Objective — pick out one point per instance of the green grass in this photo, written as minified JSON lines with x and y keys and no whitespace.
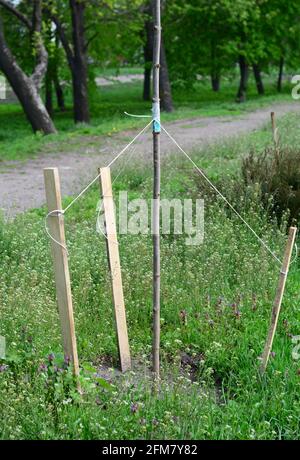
{"x":108,"y":105}
{"x":225,"y":286}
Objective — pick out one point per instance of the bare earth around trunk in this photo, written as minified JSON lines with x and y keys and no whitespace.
{"x":22,"y":186}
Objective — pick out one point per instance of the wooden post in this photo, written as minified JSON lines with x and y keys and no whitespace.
{"x":274,"y":129}
{"x":275,"y":136}
{"x":278,"y":298}
{"x":156,"y":192}
{"x":61,"y":267}
{"x":115,"y":269}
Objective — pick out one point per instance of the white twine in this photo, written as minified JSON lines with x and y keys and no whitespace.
{"x":137,"y":116}
{"x":103,"y":194}
{"x":226,"y":201}
{"x":296,"y":254}
{"x":63,"y":211}
{"x":109,"y":165}
{"x":51,"y":213}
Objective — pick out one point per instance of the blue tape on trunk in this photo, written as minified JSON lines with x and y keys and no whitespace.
{"x":156,"y":117}
{"x":156,"y":126}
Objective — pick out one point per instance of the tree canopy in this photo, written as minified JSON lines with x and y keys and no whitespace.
{"x":201,"y":38}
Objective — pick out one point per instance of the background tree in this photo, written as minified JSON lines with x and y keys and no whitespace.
{"x":26,"y":87}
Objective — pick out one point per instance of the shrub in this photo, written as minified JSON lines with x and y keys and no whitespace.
{"x":277,"y":172}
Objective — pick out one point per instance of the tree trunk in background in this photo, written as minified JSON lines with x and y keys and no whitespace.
{"x":48,"y":92}
{"x":241,"y":94}
{"x":215,"y":82}
{"x":215,"y":72}
{"x":25,"y":89}
{"x":79,"y":66}
{"x":147,"y":84}
{"x":258,"y":79}
{"x":59,"y":93}
{"x":148,"y":47}
{"x":164,"y":82}
{"x":280,"y":74}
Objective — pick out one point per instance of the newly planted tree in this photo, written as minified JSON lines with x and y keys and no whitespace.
{"x":164,"y":81}
{"x":156,"y":191}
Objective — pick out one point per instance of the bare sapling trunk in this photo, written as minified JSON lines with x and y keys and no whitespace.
{"x":156,"y":193}
{"x":241,"y":94}
{"x":166,"y":102}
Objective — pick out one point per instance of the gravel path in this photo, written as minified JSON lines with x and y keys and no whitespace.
{"x":22,"y":186}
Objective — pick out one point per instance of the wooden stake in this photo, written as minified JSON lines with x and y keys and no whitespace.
{"x":275,"y":136}
{"x":115,"y":269}
{"x":61,"y":267}
{"x":278,"y":298}
{"x":156,"y":192}
{"x":274,"y":129}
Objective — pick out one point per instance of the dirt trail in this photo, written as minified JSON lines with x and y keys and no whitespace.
{"x":22,"y":186}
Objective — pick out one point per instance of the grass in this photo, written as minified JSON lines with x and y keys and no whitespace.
{"x":224,"y":288}
{"x":107,"y":114}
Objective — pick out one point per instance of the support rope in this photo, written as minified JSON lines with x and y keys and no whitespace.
{"x":63,"y":211}
{"x":222,"y":196}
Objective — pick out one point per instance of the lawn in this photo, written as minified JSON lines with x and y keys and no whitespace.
{"x":108,"y":105}
{"x":216,"y":304}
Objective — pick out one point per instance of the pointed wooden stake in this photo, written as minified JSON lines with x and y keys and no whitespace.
{"x":115,"y":269}
{"x":275,"y":136}
{"x":278,"y":298}
{"x":61,"y":267}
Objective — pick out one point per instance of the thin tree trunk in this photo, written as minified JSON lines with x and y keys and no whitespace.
{"x":59,"y":93}
{"x":280,"y":74}
{"x":79,"y":64}
{"x":25,"y":89}
{"x":258,"y":79}
{"x":215,"y":73}
{"x":164,"y":82}
{"x":156,"y":193}
{"x":48,"y":92}
{"x":215,"y":82}
{"x":60,"y":99}
{"x":148,"y":51}
{"x":241,"y":94}
{"x":147,"y":84}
